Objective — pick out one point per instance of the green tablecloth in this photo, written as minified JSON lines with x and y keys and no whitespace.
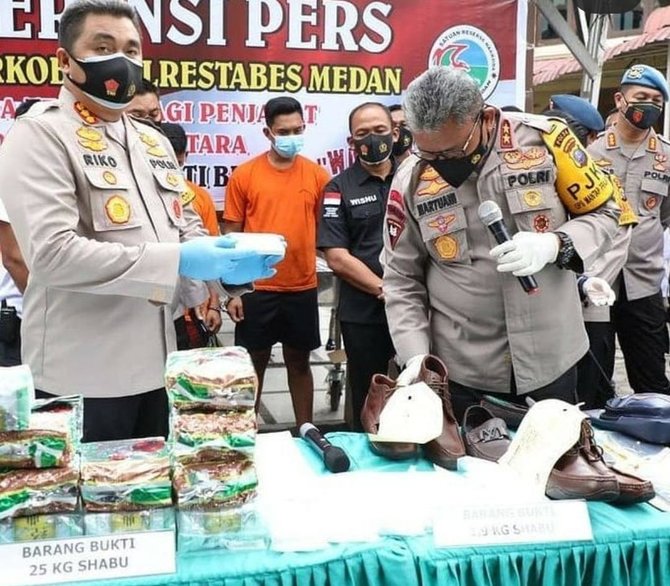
{"x":631,"y":548}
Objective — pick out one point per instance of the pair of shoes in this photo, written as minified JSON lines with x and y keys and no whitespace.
{"x":443,"y":450}
{"x":581,"y":473}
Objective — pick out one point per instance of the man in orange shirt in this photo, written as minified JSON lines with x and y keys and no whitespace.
{"x":280,"y":191}
{"x":189,"y":334}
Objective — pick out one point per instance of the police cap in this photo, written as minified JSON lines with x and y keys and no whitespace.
{"x":646,"y":76}
{"x":580,"y":110}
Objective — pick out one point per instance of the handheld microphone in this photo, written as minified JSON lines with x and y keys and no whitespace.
{"x":333,"y":457}
{"x":490,"y":214}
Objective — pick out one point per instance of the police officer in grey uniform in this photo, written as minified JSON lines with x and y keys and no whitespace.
{"x":640,"y":158}
{"x":450,"y":290}
{"x":96,"y":208}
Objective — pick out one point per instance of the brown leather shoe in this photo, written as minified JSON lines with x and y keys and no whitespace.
{"x":484,"y":435}
{"x":581,"y":472}
{"x":632,"y":489}
{"x":380,"y":391}
{"x":448,"y":447}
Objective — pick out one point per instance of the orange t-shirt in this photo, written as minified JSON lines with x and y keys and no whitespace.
{"x":282,"y":201}
{"x":203,"y":204}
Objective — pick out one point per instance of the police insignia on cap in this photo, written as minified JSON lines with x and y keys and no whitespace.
{"x":117,"y":209}
{"x":532,"y":198}
{"x":447,"y":247}
{"x":109,"y":178}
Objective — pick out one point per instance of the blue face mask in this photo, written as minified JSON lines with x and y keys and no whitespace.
{"x":289,"y":146}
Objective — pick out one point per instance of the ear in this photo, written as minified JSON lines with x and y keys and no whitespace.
{"x":619,"y":99}
{"x":64,"y":60}
{"x":396,"y":133}
{"x":266,"y":132}
{"x":350,"y":142}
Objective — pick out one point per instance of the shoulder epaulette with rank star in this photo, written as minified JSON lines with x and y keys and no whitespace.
{"x":39,"y":108}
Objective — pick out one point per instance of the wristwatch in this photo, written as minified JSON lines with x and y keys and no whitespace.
{"x":567,"y":257}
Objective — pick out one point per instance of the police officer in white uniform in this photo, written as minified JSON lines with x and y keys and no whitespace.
{"x":96,"y":208}
{"x":450,"y":290}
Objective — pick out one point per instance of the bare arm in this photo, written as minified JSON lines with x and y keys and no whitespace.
{"x":229,"y":226}
{"x":354,"y":271}
{"x":12,"y":259}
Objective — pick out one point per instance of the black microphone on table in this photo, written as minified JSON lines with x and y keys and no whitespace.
{"x":490,"y":214}
{"x":335,"y":459}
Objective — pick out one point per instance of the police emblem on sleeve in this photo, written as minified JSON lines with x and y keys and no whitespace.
{"x":541,"y":223}
{"x":117,"y":209}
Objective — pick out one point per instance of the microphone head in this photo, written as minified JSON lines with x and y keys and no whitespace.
{"x":489,"y":212}
{"x":336,"y":460}
{"x":304,"y":428}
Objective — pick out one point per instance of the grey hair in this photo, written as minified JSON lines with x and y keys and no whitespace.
{"x":69,"y":27}
{"x":440,"y":94}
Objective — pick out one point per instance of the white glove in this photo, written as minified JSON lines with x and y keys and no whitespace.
{"x":598,"y":291}
{"x":527,"y":253}
{"x":412,"y":369}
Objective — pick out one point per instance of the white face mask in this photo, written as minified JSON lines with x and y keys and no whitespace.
{"x":288,"y":146}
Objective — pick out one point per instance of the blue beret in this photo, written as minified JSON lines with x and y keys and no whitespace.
{"x":580,"y":110}
{"x":647,"y":77}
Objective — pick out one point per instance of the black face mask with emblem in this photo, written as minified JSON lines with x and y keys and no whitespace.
{"x":111,"y":80}
{"x":404,"y":143}
{"x":374,"y":149}
{"x":456,"y":171}
{"x":642,"y":115}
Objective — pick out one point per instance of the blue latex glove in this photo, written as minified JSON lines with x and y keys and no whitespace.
{"x":210,"y":258}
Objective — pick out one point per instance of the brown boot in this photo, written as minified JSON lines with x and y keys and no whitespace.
{"x":380,"y":391}
{"x":445,"y":449}
{"x":582,"y":473}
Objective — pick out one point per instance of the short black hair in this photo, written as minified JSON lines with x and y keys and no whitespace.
{"x":280,"y":107}
{"x":395,"y":108}
{"x":367,"y":105}
{"x":69,"y":27}
{"x":147,"y":87}
{"x":511,"y":109}
{"x":24,"y":106}
{"x":176,"y":135}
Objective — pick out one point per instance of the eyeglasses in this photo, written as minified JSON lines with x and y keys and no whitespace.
{"x":448,"y":153}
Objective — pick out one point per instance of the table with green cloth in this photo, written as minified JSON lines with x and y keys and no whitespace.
{"x":631,"y":547}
